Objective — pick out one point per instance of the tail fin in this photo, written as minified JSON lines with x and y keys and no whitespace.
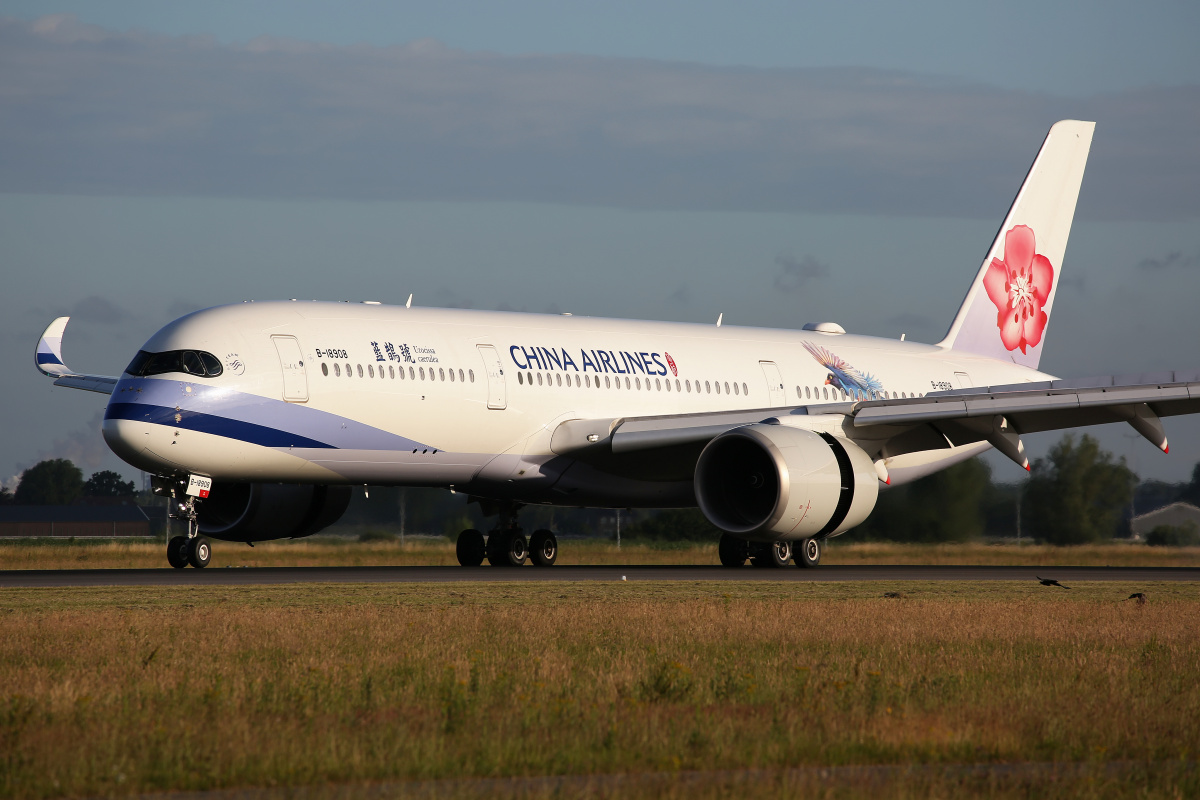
{"x":1008,"y":306}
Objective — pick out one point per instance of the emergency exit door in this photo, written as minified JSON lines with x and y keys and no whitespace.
{"x":775,"y":391}
{"x":497,"y":396}
{"x":291,"y":361}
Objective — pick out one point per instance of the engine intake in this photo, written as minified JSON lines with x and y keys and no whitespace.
{"x":773,"y":482}
{"x":256,"y":512}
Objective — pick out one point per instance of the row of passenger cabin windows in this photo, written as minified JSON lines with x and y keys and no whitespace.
{"x":193,"y":362}
{"x":831,"y":393}
{"x":636,"y":383}
{"x":393,"y":372}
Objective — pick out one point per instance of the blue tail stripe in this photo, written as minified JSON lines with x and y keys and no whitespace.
{"x":48,"y":358}
{"x":208,"y":423}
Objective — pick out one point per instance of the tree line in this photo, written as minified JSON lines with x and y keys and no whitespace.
{"x":58,"y":482}
{"x":1077,"y":493}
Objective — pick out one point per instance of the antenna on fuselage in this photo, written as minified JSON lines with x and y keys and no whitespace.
{"x":719,"y":318}
{"x":409,"y":303}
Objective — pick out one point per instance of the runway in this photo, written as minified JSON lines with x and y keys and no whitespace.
{"x":259,"y":576}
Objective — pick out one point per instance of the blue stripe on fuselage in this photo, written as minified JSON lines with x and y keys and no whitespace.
{"x":208,"y":423}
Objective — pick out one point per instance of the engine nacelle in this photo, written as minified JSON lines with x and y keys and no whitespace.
{"x":256,"y":512}
{"x":773,"y":482}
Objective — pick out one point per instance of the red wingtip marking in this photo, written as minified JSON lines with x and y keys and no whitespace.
{"x":888,"y":481}
{"x":1166,"y":447}
{"x":1027,"y":468}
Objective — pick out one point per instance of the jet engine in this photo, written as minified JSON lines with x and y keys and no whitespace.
{"x":255,"y":512}
{"x":774,"y":482}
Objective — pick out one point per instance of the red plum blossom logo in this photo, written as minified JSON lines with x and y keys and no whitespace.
{"x":1020,"y":286}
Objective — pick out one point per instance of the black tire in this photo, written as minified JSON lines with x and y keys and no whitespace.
{"x":470,"y":548}
{"x":732,"y":551}
{"x":774,"y":554}
{"x":199,"y":551}
{"x":808,"y":554}
{"x":177,"y":552}
{"x":543,"y":548}
{"x":507,"y":549}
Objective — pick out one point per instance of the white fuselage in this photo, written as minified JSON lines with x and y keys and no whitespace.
{"x":412,"y":396}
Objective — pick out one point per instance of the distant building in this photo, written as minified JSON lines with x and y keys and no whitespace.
{"x":1177,"y":515}
{"x":77,"y":521}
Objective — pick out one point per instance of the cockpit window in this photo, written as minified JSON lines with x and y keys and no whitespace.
{"x":192,"y":362}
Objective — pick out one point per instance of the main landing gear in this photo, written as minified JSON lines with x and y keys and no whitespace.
{"x":506,"y":545}
{"x":734,"y":552}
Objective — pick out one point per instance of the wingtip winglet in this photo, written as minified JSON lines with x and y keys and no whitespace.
{"x":48,"y":354}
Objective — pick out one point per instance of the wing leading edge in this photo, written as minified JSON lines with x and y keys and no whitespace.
{"x":49,"y":361}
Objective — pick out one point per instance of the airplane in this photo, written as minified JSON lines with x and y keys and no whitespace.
{"x":256,"y":419}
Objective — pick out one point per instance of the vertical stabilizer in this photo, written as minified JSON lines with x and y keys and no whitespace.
{"x":1008,"y":306}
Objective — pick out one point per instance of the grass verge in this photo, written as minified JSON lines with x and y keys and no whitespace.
{"x":110,"y":554}
{"x":118,"y":691}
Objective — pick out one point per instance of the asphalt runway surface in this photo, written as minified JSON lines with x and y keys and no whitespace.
{"x":257,"y":576}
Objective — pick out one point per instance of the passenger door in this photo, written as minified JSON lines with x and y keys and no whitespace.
{"x":775,"y":391}
{"x":291,"y":361}
{"x":497,"y":397}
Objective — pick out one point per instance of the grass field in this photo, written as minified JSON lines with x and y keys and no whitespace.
{"x":121,"y":691}
{"x":327,"y":551}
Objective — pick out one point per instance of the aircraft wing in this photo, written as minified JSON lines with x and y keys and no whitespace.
{"x":49,"y":360}
{"x":996,"y":414}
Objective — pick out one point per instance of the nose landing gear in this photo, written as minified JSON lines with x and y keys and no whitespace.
{"x":193,"y":548}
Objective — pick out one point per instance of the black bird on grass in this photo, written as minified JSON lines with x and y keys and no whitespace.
{"x":1139,"y":596}
{"x":1051,"y":582}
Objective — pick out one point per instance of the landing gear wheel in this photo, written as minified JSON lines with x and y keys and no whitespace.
{"x":771,"y":554}
{"x":732,"y":551}
{"x":470,"y":548}
{"x":543,"y":548}
{"x":198,"y":552}
{"x":777,"y":554}
{"x":808,"y":554}
{"x":177,"y":552}
{"x":507,"y":549}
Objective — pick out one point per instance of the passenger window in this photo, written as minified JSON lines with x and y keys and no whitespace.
{"x":607,"y":382}
{"x":441,"y":374}
{"x":460,"y":376}
{"x":324,"y":369}
{"x":452,"y":376}
{"x":707,"y":387}
{"x":370,"y":371}
{"x":422,"y":373}
{"x":746,"y":389}
{"x":337,"y":372}
{"x":391,"y":372}
{"x":737,"y":389}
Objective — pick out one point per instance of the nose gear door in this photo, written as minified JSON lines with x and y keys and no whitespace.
{"x":497,"y":397}
{"x":774,"y":383}
{"x":291,"y":361}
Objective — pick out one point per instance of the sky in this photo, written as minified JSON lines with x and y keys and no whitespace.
{"x":776,"y":162}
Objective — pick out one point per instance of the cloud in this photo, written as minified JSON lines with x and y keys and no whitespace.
{"x":1173,"y":260}
{"x":795,"y":274}
{"x":908,"y":320}
{"x":98,"y":310}
{"x":1076,"y":283}
{"x":84,"y":446}
{"x":92,"y":111}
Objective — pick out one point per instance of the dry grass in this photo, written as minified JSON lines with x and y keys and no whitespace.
{"x":113,"y":691}
{"x":102,"y":554}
